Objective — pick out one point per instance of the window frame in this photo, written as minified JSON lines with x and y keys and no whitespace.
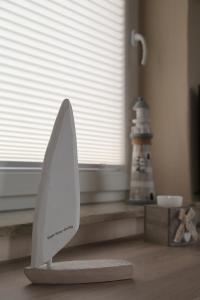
{"x":98,"y":183}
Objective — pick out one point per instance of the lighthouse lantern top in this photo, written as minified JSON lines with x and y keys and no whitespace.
{"x":140,"y":104}
{"x":141,"y":128}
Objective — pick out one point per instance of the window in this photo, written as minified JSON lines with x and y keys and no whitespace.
{"x":56,"y":49}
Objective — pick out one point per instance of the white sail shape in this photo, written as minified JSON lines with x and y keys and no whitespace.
{"x":57,"y":211}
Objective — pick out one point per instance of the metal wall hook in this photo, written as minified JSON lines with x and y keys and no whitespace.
{"x":135,"y":38}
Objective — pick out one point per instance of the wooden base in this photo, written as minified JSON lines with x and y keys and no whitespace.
{"x":80,"y":271}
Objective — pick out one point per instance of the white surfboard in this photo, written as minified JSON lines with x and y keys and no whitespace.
{"x":57,"y":214}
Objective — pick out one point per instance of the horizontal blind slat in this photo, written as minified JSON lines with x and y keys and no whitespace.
{"x":55,"y":65}
{"x":50,"y":117}
{"x":56,"y":49}
{"x":42,"y":15}
{"x":55,"y":74}
{"x":56,"y":55}
{"x":13,"y":139}
{"x":35,"y":37}
{"x":70,"y":83}
{"x":13,"y":83}
{"x":102,"y":105}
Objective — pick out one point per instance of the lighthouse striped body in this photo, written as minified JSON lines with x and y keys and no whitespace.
{"x":142,"y":184}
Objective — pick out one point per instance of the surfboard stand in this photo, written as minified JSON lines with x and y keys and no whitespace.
{"x":80,"y":271}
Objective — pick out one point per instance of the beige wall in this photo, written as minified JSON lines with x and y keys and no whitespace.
{"x":164,"y":84}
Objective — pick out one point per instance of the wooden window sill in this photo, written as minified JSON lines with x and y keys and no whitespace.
{"x":90,"y":213}
{"x":109,"y":221}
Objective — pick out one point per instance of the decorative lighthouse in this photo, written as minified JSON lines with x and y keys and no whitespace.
{"x":142,"y":184}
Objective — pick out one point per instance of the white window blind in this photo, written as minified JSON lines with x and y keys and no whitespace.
{"x":56,"y":49}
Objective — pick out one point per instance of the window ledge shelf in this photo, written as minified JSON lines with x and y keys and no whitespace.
{"x":109,"y":221}
{"x":90,"y":213}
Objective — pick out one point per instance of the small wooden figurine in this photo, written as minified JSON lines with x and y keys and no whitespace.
{"x":186,"y":230}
